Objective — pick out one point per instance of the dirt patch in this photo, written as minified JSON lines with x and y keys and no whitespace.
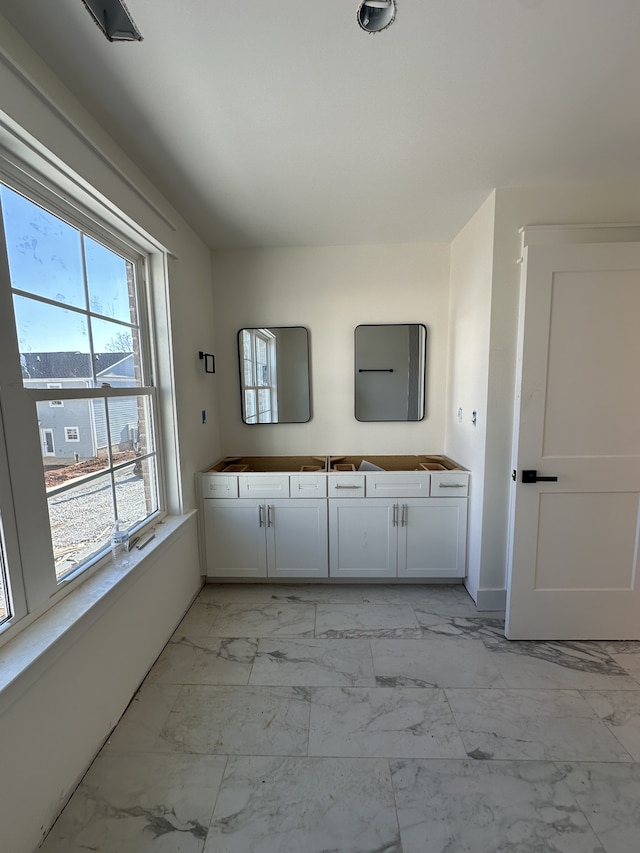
{"x":61,"y":475}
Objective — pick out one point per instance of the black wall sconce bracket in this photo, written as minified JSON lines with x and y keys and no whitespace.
{"x":209,"y":361}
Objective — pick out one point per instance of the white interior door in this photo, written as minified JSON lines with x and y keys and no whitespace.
{"x":573,"y":545}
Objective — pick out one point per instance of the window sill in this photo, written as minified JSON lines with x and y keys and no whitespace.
{"x":27,"y":655}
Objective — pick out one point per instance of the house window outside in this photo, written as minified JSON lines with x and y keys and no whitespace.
{"x":259,"y":376}
{"x":81,"y":325}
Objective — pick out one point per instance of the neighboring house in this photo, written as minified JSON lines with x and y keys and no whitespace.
{"x":77,"y":429}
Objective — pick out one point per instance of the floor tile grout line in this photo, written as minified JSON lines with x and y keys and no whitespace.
{"x":612,"y":729}
{"x":255,"y":655}
{"x":311,"y":698}
{"x":394,"y":793}
{"x":215,"y":801}
{"x":373,"y":664}
{"x":303,"y":756}
{"x":584,"y":812}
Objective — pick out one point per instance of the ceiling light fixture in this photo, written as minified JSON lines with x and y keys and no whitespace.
{"x":113,"y":19}
{"x":376,"y":15}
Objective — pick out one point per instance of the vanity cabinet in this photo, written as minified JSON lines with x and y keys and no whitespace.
{"x":276,"y":537}
{"x":397,"y":537}
{"x":290,"y":520}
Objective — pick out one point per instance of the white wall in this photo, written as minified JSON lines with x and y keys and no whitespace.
{"x":49,"y":736}
{"x":469,"y":330}
{"x":331,"y":290}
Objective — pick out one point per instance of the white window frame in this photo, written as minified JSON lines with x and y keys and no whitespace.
{"x":5,"y":600}
{"x":269,"y":339}
{"x":24,"y":516}
{"x":16,"y":601}
{"x":69,"y":429}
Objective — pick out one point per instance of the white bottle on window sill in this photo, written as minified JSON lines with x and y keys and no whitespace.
{"x":120,"y":544}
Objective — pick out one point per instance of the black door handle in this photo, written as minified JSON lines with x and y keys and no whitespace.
{"x":530,"y":475}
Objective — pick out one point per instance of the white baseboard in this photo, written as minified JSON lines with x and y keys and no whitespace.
{"x":491,"y":599}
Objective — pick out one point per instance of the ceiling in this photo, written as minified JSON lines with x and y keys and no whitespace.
{"x":282,"y":123}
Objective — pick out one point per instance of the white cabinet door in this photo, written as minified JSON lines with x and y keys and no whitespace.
{"x":363,"y":538}
{"x":234,"y":538}
{"x":297,"y":538}
{"x":432,"y":536}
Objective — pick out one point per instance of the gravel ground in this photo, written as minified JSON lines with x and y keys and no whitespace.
{"x":82,"y":518}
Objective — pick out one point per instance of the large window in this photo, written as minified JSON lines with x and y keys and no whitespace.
{"x":80,"y":408}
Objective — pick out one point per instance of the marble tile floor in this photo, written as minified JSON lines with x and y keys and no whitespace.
{"x":365,"y":719}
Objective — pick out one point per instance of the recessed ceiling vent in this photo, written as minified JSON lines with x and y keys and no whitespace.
{"x":376,"y":15}
{"x":113,"y":18}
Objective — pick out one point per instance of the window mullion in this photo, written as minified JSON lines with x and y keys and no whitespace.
{"x":45,"y":394}
{"x":254,"y":360}
{"x":87,"y":307}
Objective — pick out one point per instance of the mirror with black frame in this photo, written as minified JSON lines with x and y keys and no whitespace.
{"x":275,"y":383}
{"x":390,"y":372}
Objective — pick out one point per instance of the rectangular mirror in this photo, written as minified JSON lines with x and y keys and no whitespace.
{"x":390,"y":372}
{"x":274,"y":375}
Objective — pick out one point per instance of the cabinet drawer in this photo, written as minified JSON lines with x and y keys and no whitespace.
{"x":398,"y":484}
{"x":263,"y":485}
{"x":219,"y":486}
{"x":346,"y":485}
{"x":308,"y":485}
{"x":449,"y":484}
